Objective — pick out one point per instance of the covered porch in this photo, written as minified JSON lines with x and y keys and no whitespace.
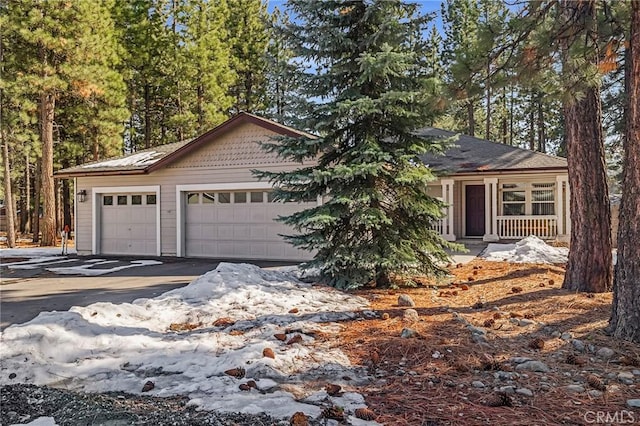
{"x":504,"y":207}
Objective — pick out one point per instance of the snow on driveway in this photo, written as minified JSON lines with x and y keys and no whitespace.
{"x":109,"y":347}
{"x":41,"y":257}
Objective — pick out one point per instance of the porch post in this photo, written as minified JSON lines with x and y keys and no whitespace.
{"x":490,"y":209}
{"x":447,"y":196}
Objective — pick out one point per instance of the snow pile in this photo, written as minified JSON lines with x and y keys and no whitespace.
{"x":528,"y":250}
{"x":108,"y":347}
{"x":40,"y":421}
{"x":34,"y":252}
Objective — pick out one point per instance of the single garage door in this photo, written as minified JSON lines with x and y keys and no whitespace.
{"x":128,"y":224}
{"x":239,"y":225}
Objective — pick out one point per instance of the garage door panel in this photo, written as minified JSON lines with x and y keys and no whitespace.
{"x":128,"y":229}
{"x":245,"y":230}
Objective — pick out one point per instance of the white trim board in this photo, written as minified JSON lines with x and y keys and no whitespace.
{"x":95,"y":199}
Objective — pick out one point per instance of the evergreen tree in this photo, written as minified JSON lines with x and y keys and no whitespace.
{"x":625,"y":318}
{"x":249,"y":38}
{"x":368,"y":96}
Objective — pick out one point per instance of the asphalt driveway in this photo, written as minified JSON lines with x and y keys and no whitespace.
{"x":27,"y":289}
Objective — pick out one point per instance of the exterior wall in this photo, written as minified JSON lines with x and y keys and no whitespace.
{"x":229,"y":159}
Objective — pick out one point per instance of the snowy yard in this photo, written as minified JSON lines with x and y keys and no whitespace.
{"x":265,"y":325}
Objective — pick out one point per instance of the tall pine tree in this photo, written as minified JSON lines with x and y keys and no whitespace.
{"x":369,"y":96}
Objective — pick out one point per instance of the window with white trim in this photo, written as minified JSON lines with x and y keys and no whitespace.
{"x":527,"y":199}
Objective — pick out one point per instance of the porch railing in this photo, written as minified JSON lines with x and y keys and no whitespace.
{"x":438,"y":225}
{"x":516,"y":227}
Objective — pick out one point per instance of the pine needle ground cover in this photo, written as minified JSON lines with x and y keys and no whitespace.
{"x":446,"y":376}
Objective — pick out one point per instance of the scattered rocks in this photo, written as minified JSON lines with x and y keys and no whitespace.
{"x":479,"y":338}
{"x":536,"y":366}
{"x":295,"y":339}
{"x":477,"y":384}
{"x":523,"y":322}
{"x":508,"y":389}
{"x":299,"y":419}
{"x":268,"y":353}
{"x":411,"y":315}
{"x":476,"y":330}
{"x":633,"y":403}
{"x":408,"y":333}
{"x":605,"y":353}
{"x":626,"y":377}
{"x":594,"y":393}
{"x":524,"y":391}
{"x":333,"y":389}
{"x":578,"y":345}
{"x":566,"y":336}
{"x":519,"y":359}
{"x":406,"y":300}
{"x":148,"y":386}
{"x":574,"y":388}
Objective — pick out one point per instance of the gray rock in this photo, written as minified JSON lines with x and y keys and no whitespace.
{"x":537,"y":366}
{"x":408,"y":333}
{"x":605,"y":353}
{"x":633,"y":403}
{"x":479,"y":338}
{"x":566,"y":336}
{"x":574,"y":388}
{"x":508,"y":389}
{"x":594,"y":393}
{"x":525,"y":322}
{"x":636,"y":372}
{"x":505,"y":375}
{"x":406,"y":300}
{"x":626,"y":377}
{"x":477,"y":330}
{"x":524,"y":391}
{"x":519,"y":359}
{"x":411,"y":315}
{"x":578,"y":345}
{"x":555,"y":334}
{"x":477,"y":384}
{"x":591,"y":348}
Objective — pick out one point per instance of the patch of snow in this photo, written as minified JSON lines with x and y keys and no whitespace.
{"x":34,"y":252}
{"x":528,"y":250}
{"x":118,"y":347}
{"x":40,"y":421}
{"x":140,"y":159}
{"x":88,"y":271}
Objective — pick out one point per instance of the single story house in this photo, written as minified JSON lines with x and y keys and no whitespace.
{"x":198,"y":198}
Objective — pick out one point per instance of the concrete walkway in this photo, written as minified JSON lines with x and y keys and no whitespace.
{"x":475,"y":247}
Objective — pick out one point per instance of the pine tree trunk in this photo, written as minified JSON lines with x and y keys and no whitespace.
{"x":532,"y":125}
{"x":47,"y":108}
{"x":470,"y":118}
{"x":487,"y":130}
{"x":147,"y":116}
{"x":542,"y":143}
{"x":26,"y":212}
{"x":8,"y":194}
{"x":589,"y":267}
{"x":625,"y":317}
{"x":35,"y":222}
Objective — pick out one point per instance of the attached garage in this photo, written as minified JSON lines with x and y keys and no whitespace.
{"x":195,"y":198}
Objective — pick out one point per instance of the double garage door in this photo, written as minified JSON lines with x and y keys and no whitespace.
{"x":128,"y":224}
{"x":239,"y":225}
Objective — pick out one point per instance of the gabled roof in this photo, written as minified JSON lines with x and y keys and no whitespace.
{"x":470,"y":155}
{"x":148,"y":160}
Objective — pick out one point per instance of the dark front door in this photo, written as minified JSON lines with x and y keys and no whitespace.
{"x":474,"y":210}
